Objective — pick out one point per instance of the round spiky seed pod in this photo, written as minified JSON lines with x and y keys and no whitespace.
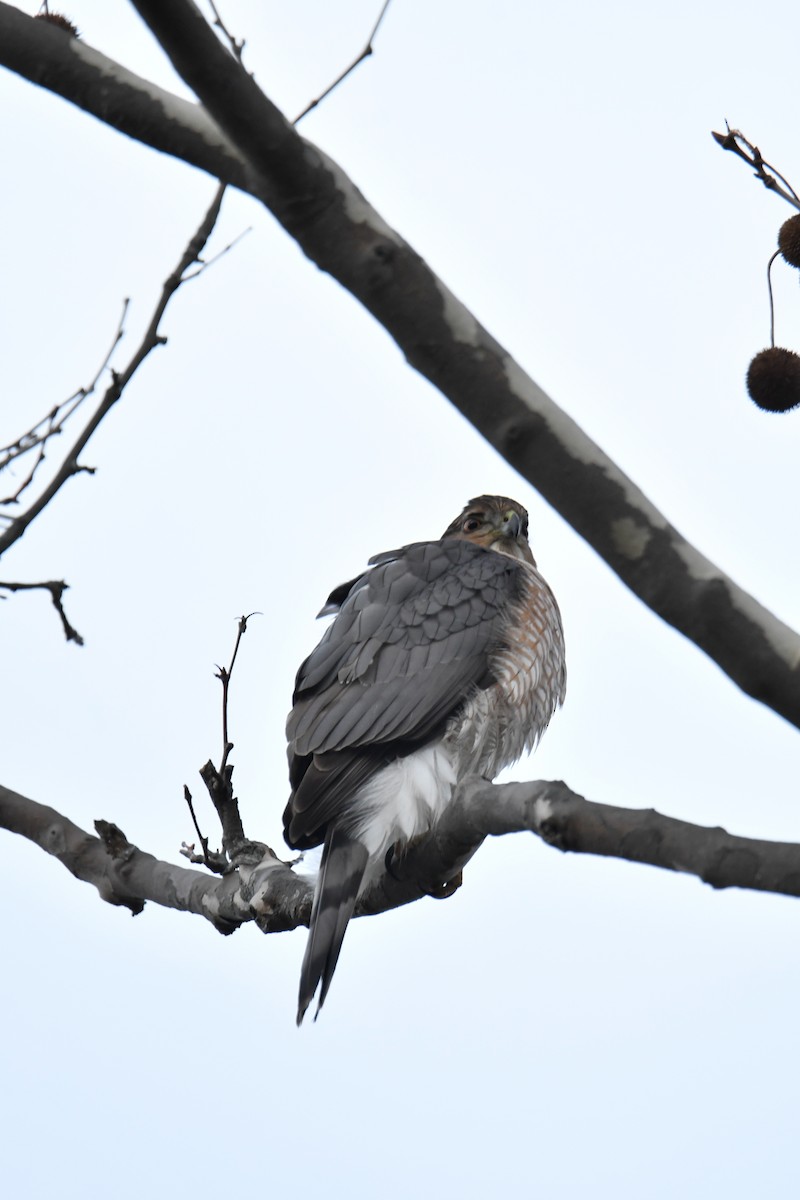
{"x":789,"y":240}
{"x":61,"y":21}
{"x":773,"y":379}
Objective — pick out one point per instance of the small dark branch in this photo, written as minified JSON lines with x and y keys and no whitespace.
{"x":735,"y":141}
{"x":56,"y":588}
{"x":220,"y":789}
{"x":225,"y":678}
{"x":237,"y":47}
{"x":52,"y":425}
{"x":205,"y":263}
{"x":215,"y":860}
{"x":771,"y":299}
{"x":219,"y":782}
{"x":365,"y":53}
{"x":35,"y":439}
{"x":119,"y":381}
{"x":187,"y":795}
{"x":191,"y":255}
{"x":13,"y":497}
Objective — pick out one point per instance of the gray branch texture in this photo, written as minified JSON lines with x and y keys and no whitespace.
{"x":237,"y":135}
{"x":266,"y":890}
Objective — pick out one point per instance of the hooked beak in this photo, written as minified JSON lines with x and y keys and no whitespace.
{"x":512,"y":526}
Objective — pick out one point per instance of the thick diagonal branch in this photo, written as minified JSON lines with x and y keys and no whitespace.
{"x":243,"y":138}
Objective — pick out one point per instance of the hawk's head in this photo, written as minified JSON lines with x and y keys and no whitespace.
{"x":496,"y":523}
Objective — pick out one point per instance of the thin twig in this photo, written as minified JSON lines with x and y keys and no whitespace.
{"x":53,"y":424}
{"x":365,"y":53}
{"x":735,"y":141}
{"x":56,"y":588}
{"x":771,"y":299}
{"x":215,"y":860}
{"x":237,"y":47}
{"x":119,"y":382}
{"x":205,"y":263}
{"x":219,"y":784}
{"x":225,"y":677}
{"x":187,"y":795}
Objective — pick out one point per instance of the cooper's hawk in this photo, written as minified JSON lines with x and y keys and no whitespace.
{"x":446,"y":659}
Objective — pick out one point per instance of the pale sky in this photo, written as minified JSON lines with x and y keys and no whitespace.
{"x":565,"y":1026}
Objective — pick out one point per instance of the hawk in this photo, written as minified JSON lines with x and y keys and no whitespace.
{"x":446,"y":659}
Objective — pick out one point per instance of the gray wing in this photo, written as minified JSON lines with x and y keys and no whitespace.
{"x":413,"y":637}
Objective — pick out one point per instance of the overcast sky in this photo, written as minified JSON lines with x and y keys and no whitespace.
{"x":565,"y":1026}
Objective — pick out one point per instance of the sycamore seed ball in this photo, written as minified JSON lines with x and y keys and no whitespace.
{"x":62,"y":22}
{"x":789,"y":240}
{"x":773,"y":379}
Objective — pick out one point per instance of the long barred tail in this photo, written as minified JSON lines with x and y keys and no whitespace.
{"x":344,"y":862}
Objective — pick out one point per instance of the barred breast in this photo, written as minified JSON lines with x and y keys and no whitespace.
{"x":497,"y":725}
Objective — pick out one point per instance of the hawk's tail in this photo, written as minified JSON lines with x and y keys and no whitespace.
{"x":341,"y":871}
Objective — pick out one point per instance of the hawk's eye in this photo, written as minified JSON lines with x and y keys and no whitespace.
{"x":471,"y":524}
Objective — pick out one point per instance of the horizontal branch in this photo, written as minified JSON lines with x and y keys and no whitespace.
{"x":125,"y":875}
{"x":268,"y":891}
{"x":569,"y":822}
{"x":56,"y":588}
{"x":242,"y":137}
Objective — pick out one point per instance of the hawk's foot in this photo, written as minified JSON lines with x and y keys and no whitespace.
{"x":445,"y":890}
{"x":392,"y":865}
{"x":391,"y":858}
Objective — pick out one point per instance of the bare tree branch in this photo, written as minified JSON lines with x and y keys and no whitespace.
{"x":215,"y":860}
{"x":243,"y":138}
{"x":219,"y":784}
{"x":56,"y":588}
{"x":237,"y":45}
{"x":47,"y":56}
{"x":365,"y":53}
{"x":268,"y":891}
{"x":52,"y":425}
{"x":119,"y":381}
{"x":735,"y":141}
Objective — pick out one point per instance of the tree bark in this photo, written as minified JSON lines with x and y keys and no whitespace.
{"x":241,"y":137}
{"x":268,"y":891}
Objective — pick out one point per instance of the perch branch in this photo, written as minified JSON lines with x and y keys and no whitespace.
{"x":266,"y":890}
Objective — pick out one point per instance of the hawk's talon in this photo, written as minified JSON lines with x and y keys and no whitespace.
{"x":388,"y":862}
